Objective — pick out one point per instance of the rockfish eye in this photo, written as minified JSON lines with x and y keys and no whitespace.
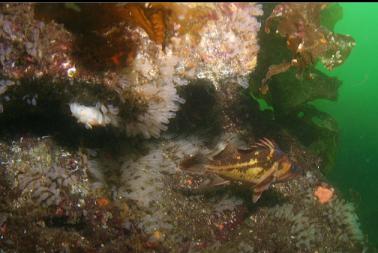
{"x":278,"y":153}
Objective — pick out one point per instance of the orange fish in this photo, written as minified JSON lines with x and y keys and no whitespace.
{"x":257,"y":167}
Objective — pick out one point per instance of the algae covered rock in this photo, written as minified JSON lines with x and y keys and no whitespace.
{"x":120,"y":64}
{"x":151,"y":85}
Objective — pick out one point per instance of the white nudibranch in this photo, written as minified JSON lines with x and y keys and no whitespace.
{"x":99,"y":115}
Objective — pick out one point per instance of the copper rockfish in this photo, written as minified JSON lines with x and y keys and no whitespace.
{"x":257,"y":167}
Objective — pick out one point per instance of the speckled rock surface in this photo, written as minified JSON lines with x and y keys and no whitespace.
{"x":66,"y":187}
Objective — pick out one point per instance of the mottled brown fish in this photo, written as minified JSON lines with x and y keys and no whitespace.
{"x":257,"y":167}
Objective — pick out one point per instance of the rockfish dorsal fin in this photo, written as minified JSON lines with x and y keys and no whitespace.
{"x":265,"y":143}
{"x":226,"y":151}
{"x":228,"y":147}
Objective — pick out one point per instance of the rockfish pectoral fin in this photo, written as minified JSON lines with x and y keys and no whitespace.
{"x":256,"y":196}
{"x":227,"y":147}
{"x":213,"y":182}
{"x":259,"y":189}
{"x":218,"y":181}
{"x":262,"y":187}
{"x":210,"y":184}
{"x":194,"y":164}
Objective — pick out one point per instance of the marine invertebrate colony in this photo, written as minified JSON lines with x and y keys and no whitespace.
{"x":164,"y":103}
{"x":343,"y":214}
{"x":48,"y":191}
{"x":148,"y":50}
{"x":46,"y":177}
{"x":151,"y":80}
{"x":66,"y":192}
{"x":302,"y":230}
{"x":310,"y":226}
{"x":225,"y":47}
{"x":124,"y":66}
{"x":149,"y":181}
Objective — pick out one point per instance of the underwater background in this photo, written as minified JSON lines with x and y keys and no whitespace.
{"x":355,"y":172}
{"x":195,"y":127}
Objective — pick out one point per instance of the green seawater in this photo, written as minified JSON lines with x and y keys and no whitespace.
{"x":356,"y":111}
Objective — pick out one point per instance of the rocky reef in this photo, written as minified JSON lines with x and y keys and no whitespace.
{"x":129,"y":68}
{"x":101,"y":103}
